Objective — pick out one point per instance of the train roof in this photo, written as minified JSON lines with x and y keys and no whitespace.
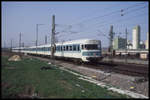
{"x":81,"y":41}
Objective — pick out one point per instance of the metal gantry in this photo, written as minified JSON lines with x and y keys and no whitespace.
{"x":37,"y":35}
{"x":53,"y":39}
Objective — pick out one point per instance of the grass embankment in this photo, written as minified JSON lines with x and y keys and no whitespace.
{"x":26,"y":77}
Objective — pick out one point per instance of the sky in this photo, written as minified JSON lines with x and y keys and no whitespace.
{"x":73,"y":20}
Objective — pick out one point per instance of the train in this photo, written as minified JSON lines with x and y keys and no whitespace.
{"x":83,"y":50}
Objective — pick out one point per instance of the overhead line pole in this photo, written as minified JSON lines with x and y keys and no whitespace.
{"x":36,"y":37}
{"x":11,"y":45}
{"x":20,"y":42}
{"x":111,"y":34}
{"x":53,"y":39}
{"x":126,"y":44}
{"x":45,"y":39}
{"x":4,"y":44}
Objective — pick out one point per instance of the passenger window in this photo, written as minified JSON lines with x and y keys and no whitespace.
{"x":74,"y":47}
{"x":70,"y":48}
{"x":66,"y":48}
{"x":82,"y":47}
{"x":61,"y":48}
{"x":58,"y":48}
{"x":85,"y":47}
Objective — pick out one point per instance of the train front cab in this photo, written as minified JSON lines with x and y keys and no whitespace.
{"x":91,"y":52}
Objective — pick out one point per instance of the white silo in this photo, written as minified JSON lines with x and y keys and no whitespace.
{"x":136,"y":37}
{"x":147,"y":41}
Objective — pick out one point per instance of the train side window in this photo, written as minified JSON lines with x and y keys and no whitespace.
{"x":66,"y":48}
{"x":85,"y":47}
{"x":74,"y":47}
{"x":58,"y":48}
{"x":78,"y":47}
{"x":70,"y":48}
{"x":82,"y":47}
{"x":61,"y":48}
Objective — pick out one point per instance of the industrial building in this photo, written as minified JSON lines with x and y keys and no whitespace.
{"x":119,"y":43}
{"x":147,"y":41}
{"x":136,"y":47}
{"x":136,"y":37}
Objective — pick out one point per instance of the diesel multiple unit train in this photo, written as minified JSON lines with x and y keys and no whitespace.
{"x":85,"y":50}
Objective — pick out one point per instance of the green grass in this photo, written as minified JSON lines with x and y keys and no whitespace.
{"x":52,"y":83}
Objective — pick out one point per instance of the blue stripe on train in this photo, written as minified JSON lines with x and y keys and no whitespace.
{"x":91,"y":53}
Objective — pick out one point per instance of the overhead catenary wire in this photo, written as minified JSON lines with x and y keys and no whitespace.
{"x":109,"y":15}
{"x":105,"y":15}
{"x":113,"y":20}
{"x":125,"y":19}
{"x":123,"y":14}
{"x":116,"y":21}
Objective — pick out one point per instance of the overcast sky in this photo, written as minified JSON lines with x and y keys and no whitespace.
{"x":74,"y":20}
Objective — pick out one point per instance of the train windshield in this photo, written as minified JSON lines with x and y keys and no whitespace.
{"x":90,"y":47}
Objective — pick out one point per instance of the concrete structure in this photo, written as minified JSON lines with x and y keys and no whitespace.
{"x":142,"y":45}
{"x":129,"y":46}
{"x":143,"y":53}
{"x":119,"y":43}
{"x":136,"y":37}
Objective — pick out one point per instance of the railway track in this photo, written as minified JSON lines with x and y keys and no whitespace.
{"x":127,"y":69}
{"x":111,"y":67}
